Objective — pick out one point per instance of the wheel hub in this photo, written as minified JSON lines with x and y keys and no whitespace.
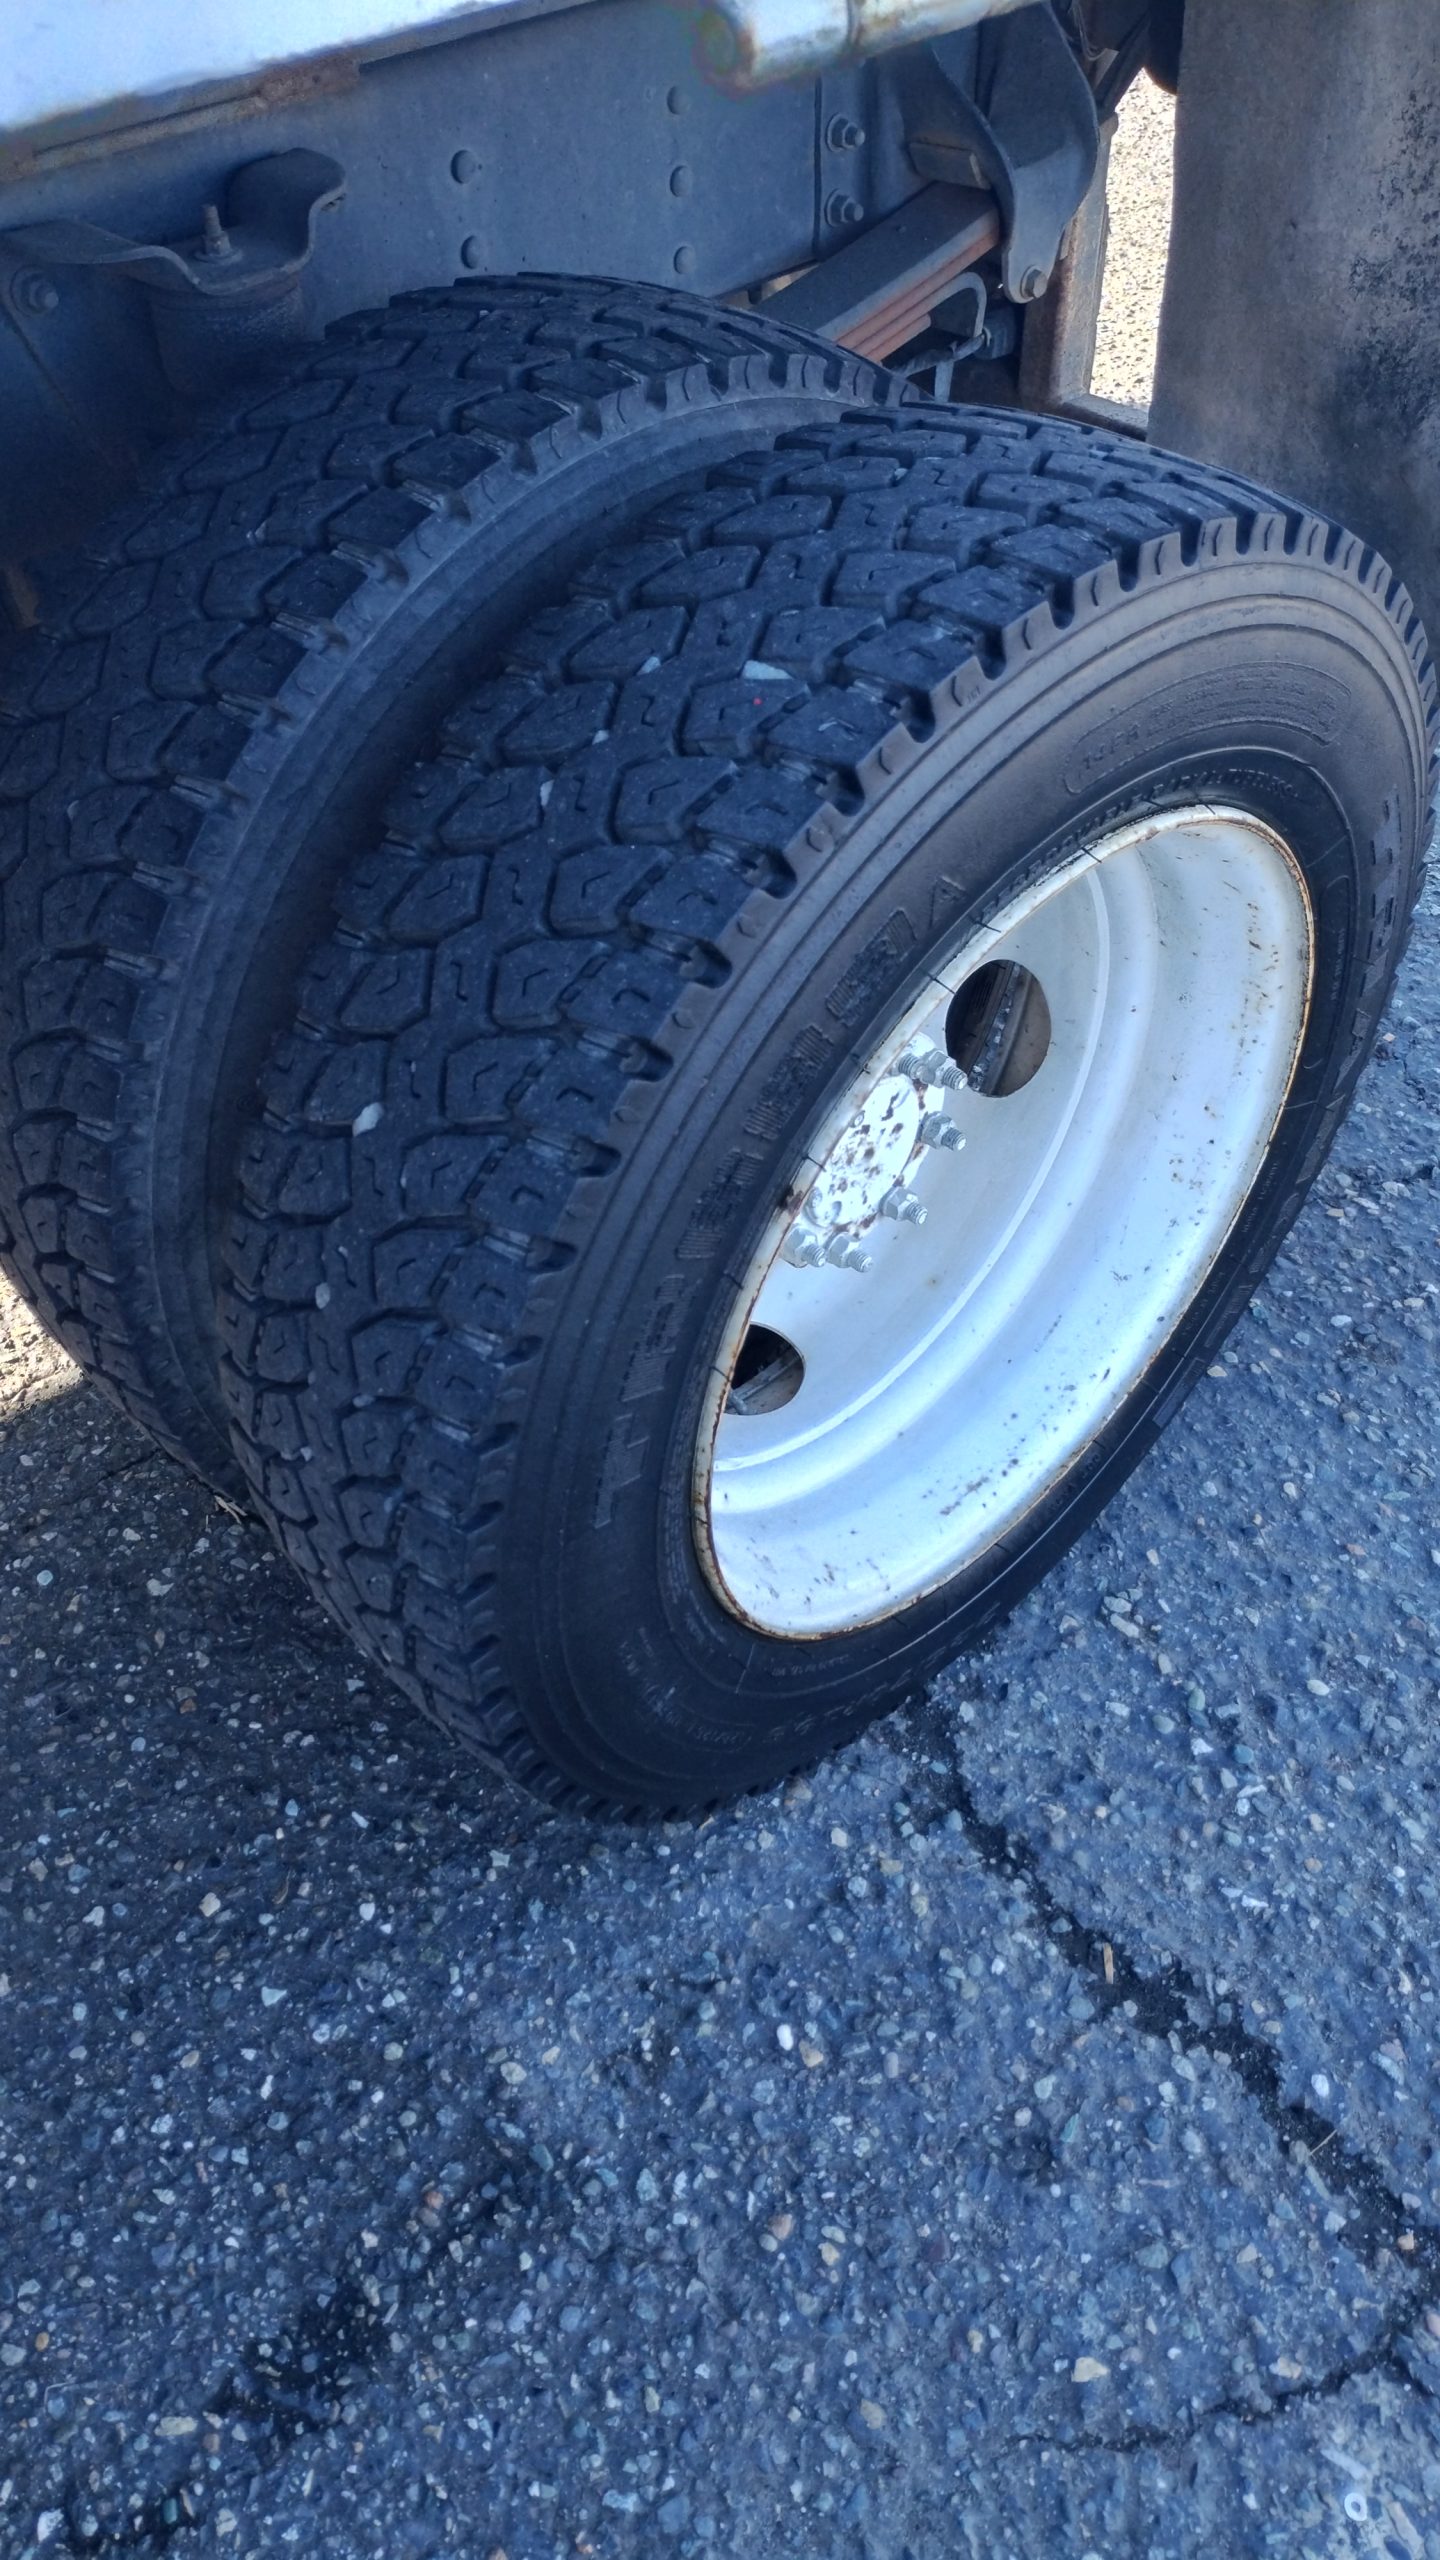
{"x":1027,"y":1238}
{"x":872,"y":1163}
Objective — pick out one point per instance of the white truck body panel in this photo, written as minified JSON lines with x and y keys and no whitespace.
{"x":109,"y":65}
{"x":121,"y":62}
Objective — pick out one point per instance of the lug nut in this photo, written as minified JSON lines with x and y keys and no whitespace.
{"x":904,"y":1205}
{"x":929,"y":1065}
{"x":804,"y":1248}
{"x":847,"y":1255}
{"x":937,"y":1131}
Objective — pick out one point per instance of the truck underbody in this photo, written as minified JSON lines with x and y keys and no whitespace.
{"x":885,"y":153}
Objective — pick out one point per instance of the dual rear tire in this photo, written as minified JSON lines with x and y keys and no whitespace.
{"x":573,"y":1198}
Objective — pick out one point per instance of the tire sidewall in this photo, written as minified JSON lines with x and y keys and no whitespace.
{"x":1251,"y":684}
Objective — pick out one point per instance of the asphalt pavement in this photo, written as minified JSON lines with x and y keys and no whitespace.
{"x":1018,"y":2141}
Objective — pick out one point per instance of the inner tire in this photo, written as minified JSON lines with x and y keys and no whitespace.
{"x":221,"y":693}
{"x":783,"y":754}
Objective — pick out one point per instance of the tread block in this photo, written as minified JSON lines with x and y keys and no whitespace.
{"x":761,"y":809}
{"x":838,"y":723}
{"x":731,"y":715}
{"x":696,"y":898}
{"x":633,"y":992}
{"x":554,"y":726}
{"x":456,"y":1381}
{"x":810,"y":640}
{"x":255,"y":666}
{"x":615,"y":650}
{"x":442,"y":1463}
{"x":918,"y":657}
{"x":443,"y":463}
{"x":68,"y":679}
{"x":526,"y":1192}
{"x":575,"y":1093}
{"x":441,"y":1174}
{"x":380,"y":521}
{"x":873,"y":519}
{"x":591,"y":890}
{"x":702,"y":577}
{"x":314,"y":1178}
{"x":781,"y":516}
{"x":657,"y":800}
{"x":984,"y":599}
{"x":889,"y":577}
{"x":448,"y":892}
{"x":387,"y":992}
{"x":371,"y":1437}
{"x":547,"y":646}
{"x":408,"y":1267}
{"x":487,"y":1289}
{"x":387,"y":1354}
{"x":1059,"y":550}
{"x":483,"y":1078}
{"x":316,"y":589}
{"x":370,"y":1512}
{"x":333,"y":1086}
{"x":530,"y":984}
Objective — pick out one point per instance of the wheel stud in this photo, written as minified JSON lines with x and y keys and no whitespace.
{"x":847,"y":1255}
{"x":904,"y":1205}
{"x":804,"y":1248}
{"x":929,"y":1065}
{"x":937,"y":1131}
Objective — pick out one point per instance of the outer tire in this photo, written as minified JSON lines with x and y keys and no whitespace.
{"x":223,"y":690}
{"x":536,"y":1110}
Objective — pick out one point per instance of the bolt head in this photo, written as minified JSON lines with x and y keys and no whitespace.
{"x":843,"y":211}
{"x":937,"y":1131}
{"x":1032,"y":284}
{"x":804,"y":1248}
{"x":929,"y":1065}
{"x":918,"y":1061}
{"x":847,"y":1255}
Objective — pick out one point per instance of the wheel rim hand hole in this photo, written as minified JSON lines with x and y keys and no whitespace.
{"x":769,"y":1373}
{"x":998,"y":1028}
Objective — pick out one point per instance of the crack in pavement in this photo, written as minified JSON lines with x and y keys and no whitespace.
{"x":107,"y":1475}
{"x":1179,"y":2008}
{"x":1383,"y":2357}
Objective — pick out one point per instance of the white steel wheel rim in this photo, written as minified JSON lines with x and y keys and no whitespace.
{"x":1029,"y":1252}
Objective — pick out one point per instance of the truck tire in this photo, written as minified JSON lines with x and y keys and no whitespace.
{"x":223,"y":689}
{"x":959,"y":777}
